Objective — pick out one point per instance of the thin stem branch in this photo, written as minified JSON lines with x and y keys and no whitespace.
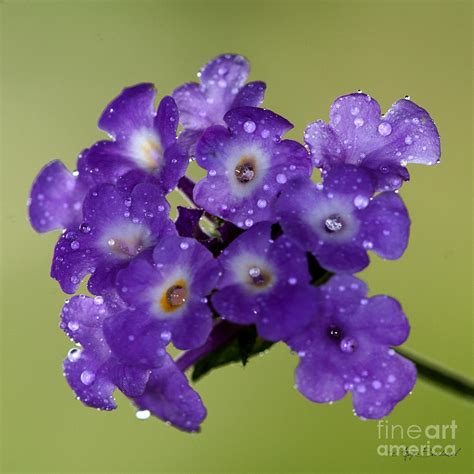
{"x":440,"y":376}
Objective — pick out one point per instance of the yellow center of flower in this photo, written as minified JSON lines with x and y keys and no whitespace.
{"x":151,"y":151}
{"x":174,"y":297}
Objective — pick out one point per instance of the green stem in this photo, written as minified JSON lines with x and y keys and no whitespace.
{"x":441,"y":377}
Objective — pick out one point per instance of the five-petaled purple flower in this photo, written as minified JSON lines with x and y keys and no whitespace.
{"x":264,"y":254}
{"x":357,"y":134}
{"x":340,"y":220}
{"x":222,"y":88}
{"x":265,"y":282}
{"x":247,"y":165}
{"x":347,"y":347}
{"x":94,"y":371}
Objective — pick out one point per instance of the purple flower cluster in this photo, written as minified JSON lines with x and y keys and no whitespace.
{"x":276,"y":254}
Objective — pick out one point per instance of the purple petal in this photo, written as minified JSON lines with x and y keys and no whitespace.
{"x":383,"y":319}
{"x":386,"y":225}
{"x":357,"y":134}
{"x":250,"y":94}
{"x":129,"y":111}
{"x":166,"y":121}
{"x":169,"y":397}
{"x":342,"y":257}
{"x":191,"y":101}
{"x":351,"y":181}
{"x":193,"y":329}
{"x":392,"y":378}
{"x":91,"y":379}
{"x":255,"y":121}
{"x":130,"y":380}
{"x":135,"y":339}
{"x":56,"y":198}
{"x":317,"y":383}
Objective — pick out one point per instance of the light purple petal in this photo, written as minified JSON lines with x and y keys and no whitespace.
{"x":56,"y":198}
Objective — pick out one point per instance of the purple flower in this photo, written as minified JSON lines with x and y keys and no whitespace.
{"x":169,"y":290}
{"x":91,"y":370}
{"x":144,"y":141}
{"x":267,"y":283}
{"x":221,"y":89}
{"x":56,"y":196}
{"x":357,"y":134}
{"x":94,"y":370}
{"x":116,"y":227}
{"x":339,"y":222}
{"x":346,"y":348}
{"x":248,"y":165}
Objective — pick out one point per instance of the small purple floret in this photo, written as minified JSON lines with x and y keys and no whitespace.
{"x":358,"y":134}
{"x":347,"y":348}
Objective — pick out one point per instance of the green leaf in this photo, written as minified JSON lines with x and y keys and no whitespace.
{"x":241,"y":348}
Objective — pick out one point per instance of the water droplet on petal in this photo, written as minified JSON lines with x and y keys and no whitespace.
{"x":262,"y":203}
{"x":183,"y":245}
{"x":249,"y":126}
{"x":361,"y":202}
{"x":87,"y":377}
{"x":385,"y":129}
{"x":281,"y":178}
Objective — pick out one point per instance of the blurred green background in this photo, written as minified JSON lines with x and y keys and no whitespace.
{"x":62,"y":61}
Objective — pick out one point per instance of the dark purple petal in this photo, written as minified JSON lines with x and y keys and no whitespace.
{"x":235,"y":304}
{"x":56,"y":198}
{"x":131,"y":110}
{"x":256,"y":123}
{"x":131,"y":380}
{"x":193,"y":329}
{"x":386,"y":225}
{"x":187,"y":223}
{"x":107,"y":161}
{"x":135,"y":339}
{"x":169,"y":397}
{"x":351,"y":181}
{"x":265,"y":282}
{"x":342,"y":257}
{"x":166,"y":121}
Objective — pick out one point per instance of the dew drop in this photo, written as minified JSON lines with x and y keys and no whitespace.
{"x":281,"y":178}
{"x":184,"y":245}
{"x":361,"y":202}
{"x":143,"y":414}
{"x":348,"y":345}
{"x":249,"y":126}
{"x":87,"y":377}
{"x":385,"y":129}
{"x":358,"y":122}
{"x":74,"y":354}
{"x":262,"y":203}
